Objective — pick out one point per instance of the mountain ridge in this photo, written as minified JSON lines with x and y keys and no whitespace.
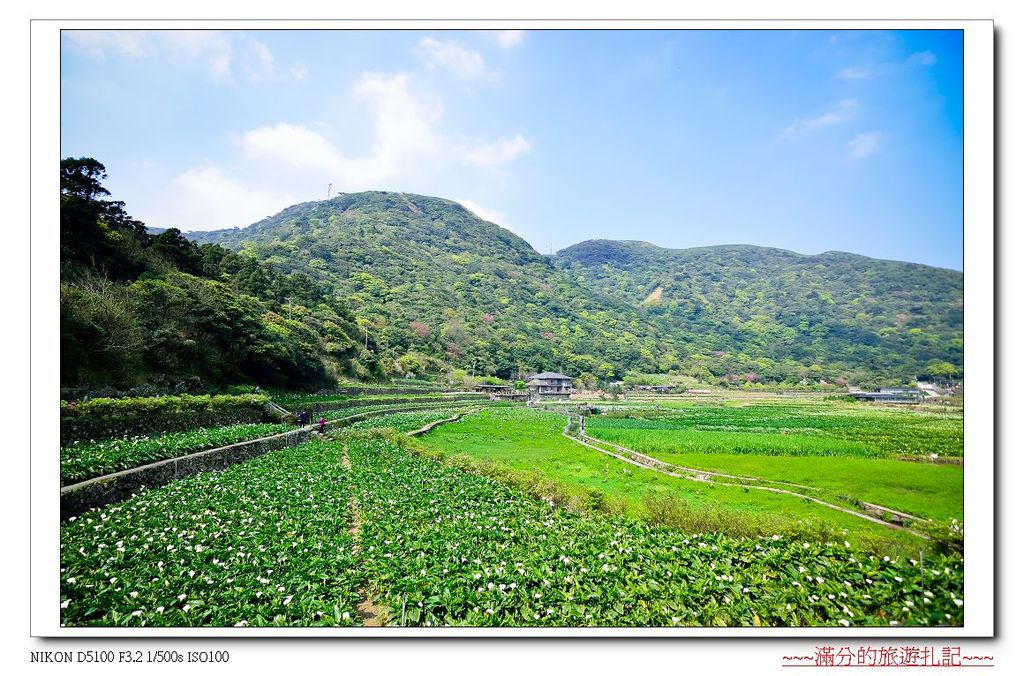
{"x":437,"y":282}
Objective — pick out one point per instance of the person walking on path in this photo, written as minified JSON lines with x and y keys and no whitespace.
{"x":321,"y":425}
{"x":303,"y":418}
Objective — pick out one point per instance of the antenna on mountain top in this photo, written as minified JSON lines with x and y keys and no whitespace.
{"x":329,"y":190}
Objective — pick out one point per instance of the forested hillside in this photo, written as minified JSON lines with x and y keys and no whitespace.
{"x":757,"y":313}
{"x":143,"y":309}
{"x":435,"y":283}
{"x":378,"y":284}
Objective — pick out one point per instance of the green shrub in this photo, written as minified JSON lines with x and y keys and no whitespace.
{"x":105,"y":418}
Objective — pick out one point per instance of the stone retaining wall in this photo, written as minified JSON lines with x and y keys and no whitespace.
{"x":97,"y":492}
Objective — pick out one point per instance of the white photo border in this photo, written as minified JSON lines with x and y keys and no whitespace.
{"x":979,"y":329}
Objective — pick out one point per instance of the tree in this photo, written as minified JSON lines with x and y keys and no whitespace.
{"x":943,"y":371}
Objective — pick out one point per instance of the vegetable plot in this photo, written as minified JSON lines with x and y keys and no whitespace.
{"x":83,"y":460}
{"x":264,"y":542}
{"x":445,"y":547}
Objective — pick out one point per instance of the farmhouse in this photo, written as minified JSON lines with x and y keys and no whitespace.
{"x":550,"y":385}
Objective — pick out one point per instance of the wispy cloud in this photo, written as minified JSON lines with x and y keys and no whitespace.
{"x":221,"y":53}
{"x":837,"y":114}
{"x":487,"y":214}
{"x":210,"y":47}
{"x":508,"y":39}
{"x":865,"y":144}
{"x":207,"y":198}
{"x":925,"y":58}
{"x":854,"y":73}
{"x":498,"y":152}
{"x":405,"y":131}
{"x":99,"y":44}
{"x":451,"y":55}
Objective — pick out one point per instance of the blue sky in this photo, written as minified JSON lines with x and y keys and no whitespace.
{"x":805,"y":140}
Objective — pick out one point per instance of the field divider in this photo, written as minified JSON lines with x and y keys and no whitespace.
{"x":431,"y":425}
{"x":103,"y":490}
{"x":701,"y":476}
{"x":740,"y":478}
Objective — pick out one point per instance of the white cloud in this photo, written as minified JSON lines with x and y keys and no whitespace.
{"x":261,"y":66}
{"x":465,"y":62}
{"x":865,"y":144}
{"x":854,"y":73}
{"x":405,"y":123}
{"x":207,"y":199}
{"x":498,"y":152}
{"x":98,"y":44}
{"x":509,"y":38}
{"x":405,"y":134}
{"x":925,"y":58}
{"x":291,"y":145}
{"x":211,"y":47}
{"x":214,"y":49}
{"x":487,"y":214}
{"x":837,"y":114}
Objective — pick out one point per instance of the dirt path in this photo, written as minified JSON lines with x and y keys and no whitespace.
{"x":370,"y":614}
{"x":431,"y":425}
{"x":648,"y":462}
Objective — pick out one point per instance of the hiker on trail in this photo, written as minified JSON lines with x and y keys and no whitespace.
{"x":303,"y":418}
{"x":321,"y":425}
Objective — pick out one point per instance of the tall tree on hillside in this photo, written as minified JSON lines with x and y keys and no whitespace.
{"x":95,"y":233}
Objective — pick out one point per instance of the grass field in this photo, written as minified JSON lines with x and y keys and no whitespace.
{"x":846,"y":451}
{"x":802,"y":426}
{"x":531,"y":441}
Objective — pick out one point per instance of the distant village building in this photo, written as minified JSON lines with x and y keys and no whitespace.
{"x":658,"y":389}
{"x":893,"y":395}
{"x":549,"y":385}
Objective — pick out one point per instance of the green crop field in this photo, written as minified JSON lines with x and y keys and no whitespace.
{"x":531,"y":441}
{"x":845,"y":451}
{"x":270,"y":542}
{"x":83,"y":460}
{"x":497,"y":519}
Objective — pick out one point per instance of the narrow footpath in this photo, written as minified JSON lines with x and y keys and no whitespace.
{"x":647,"y":462}
{"x":370,"y":614}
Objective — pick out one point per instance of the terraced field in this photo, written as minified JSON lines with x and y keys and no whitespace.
{"x":84,"y":460}
{"x":268,"y":542}
{"x":878,"y":455}
{"x":498,"y":519}
{"x":265,"y":542}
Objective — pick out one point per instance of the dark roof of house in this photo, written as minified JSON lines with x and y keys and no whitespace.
{"x":550,"y":375}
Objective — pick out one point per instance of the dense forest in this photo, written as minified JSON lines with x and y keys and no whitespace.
{"x":138,"y":309}
{"x":438,"y":285}
{"x":752,"y":313}
{"x":376,"y":284}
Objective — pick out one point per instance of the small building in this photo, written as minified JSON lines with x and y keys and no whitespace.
{"x":549,"y":385}
{"x":657,"y":389}
{"x":892,"y":395}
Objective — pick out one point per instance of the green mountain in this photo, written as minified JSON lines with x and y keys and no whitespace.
{"x":761,"y":313}
{"x":436,"y":285}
